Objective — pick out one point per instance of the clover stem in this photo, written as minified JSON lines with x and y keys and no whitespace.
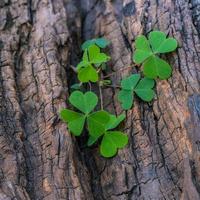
{"x":119,"y":70}
{"x":90,"y":86}
{"x":101,"y":96}
{"x":100,"y":89}
{"x":112,"y":86}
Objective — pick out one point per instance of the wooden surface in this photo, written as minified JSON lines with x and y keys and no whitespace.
{"x":39,"y":159}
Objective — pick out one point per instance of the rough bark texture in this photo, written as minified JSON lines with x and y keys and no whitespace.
{"x":39,"y":159}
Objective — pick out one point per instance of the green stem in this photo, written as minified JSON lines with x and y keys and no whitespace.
{"x":112,"y":86}
{"x":90,"y":86}
{"x":101,"y":96}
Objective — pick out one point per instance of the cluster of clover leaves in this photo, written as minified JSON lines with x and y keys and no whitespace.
{"x":101,"y":124}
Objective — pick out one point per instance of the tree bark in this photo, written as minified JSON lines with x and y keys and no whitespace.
{"x":39,"y":159}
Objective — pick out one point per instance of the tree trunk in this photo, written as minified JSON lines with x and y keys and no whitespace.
{"x":39,"y":159}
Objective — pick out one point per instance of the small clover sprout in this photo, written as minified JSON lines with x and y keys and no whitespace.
{"x":92,"y":59}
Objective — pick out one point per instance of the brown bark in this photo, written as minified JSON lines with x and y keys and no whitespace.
{"x":39,"y":159}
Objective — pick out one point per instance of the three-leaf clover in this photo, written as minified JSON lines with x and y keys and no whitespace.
{"x":85,"y":103}
{"x":101,"y":42}
{"x":112,"y":140}
{"x":142,"y":88}
{"x":91,"y":57}
{"x":147,"y":51}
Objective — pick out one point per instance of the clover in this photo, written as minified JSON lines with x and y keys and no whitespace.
{"x":111,"y":140}
{"x":91,"y":57}
{"x":100,"y":125}
{"x":84,"y":103}
{"x":133,"y":84}
{"x":147,"y":51}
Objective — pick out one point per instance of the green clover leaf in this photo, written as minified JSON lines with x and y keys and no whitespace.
{"x":112,"y":141}
{"x":91,"y":140}
{"x":142,"y":88}
{"x":75,"y":121}
{"x":143,"y":49}
{"x":152,"y":68}
{"x":97,"y":122}
{"x":101,"y":42}
{"x":126,"y":98}
{"x":146,"y":51}
{"x":130,"y":82}
{"x":88,"y":73}
{"x":83,"y":102}
{"x":161,"y":44}
{"x":114,"y":121}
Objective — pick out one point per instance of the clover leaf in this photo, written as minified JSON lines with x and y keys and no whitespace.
{"x":112,"y":141}
{"x":161,"y":44}
{"x":154,"y":66}
{"x":91,"y":140}
{"x":143,"y":49}
{"x":83,"y":102}
{"x":126,"y":99}
{"x":97,"y":122}
{"x":144,"y":89}
{"x":130,"y":82}
{"x":114,"y":121}
{"x":146,"y":51}
{"x":88,"y":73}
{"x":101,"y":42}
{"x":125,"y":96}
{"x":75,"y":121}
{"x":141,"y":87}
